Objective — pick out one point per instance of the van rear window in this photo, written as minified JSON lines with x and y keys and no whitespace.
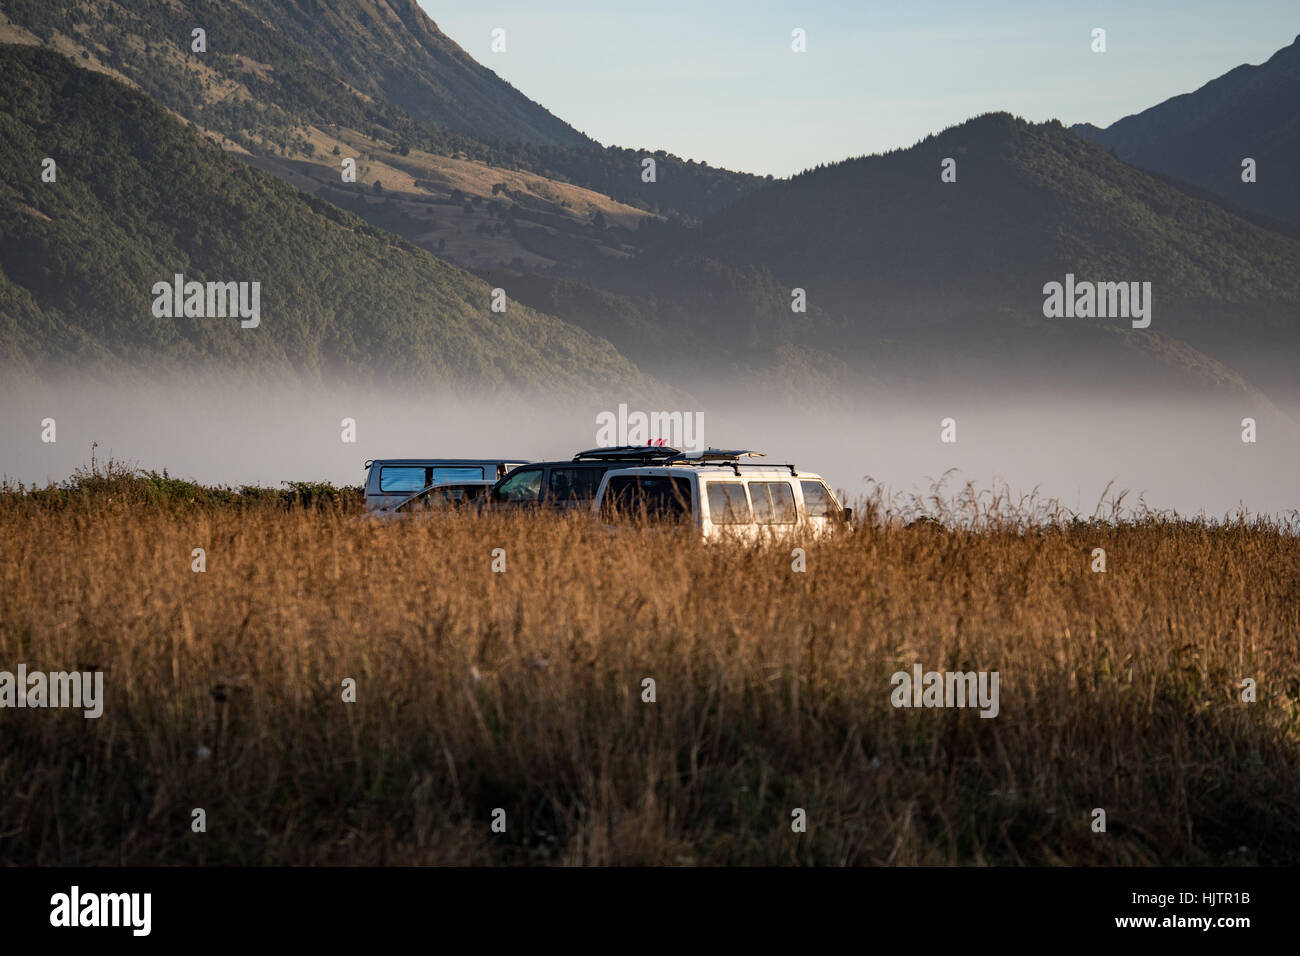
{"x":773,"y":502}
{"x":399,"y":478}
{"x":654,"y":497}
{"x":727,"y":503}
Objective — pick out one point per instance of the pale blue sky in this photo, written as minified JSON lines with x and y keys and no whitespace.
{"x":715,"y":80}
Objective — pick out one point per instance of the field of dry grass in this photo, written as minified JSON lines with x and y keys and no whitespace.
{"x":522,"y":690}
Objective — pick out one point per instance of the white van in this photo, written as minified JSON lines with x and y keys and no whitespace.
{"x":390,"y":481}
{"x":722,"y":497}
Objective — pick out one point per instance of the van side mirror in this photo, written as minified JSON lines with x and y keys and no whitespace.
{"x":848,"y":515}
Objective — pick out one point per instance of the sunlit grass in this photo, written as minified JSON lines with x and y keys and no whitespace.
{"x":522,"y":690}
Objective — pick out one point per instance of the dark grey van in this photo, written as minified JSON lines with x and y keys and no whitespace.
{"x":565,"y":485}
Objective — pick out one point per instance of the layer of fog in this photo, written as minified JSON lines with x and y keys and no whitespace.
{"x":1185,"y":456}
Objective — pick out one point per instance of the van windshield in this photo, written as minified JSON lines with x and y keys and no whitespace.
{"x":818,"y":501}
{"x":442,"y":497}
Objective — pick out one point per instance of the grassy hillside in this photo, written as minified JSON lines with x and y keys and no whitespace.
{"x":139,"y":197}
{"x":464,"y":210}
{"x":285,"y":77}
{"x":1202,"y":137}
{"x":271,"y":63}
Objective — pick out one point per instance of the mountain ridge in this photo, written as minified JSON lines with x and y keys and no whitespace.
{"x":1203,"y":136}
{"x":890,"y":251}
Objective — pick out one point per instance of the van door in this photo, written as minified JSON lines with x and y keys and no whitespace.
{"x":569,"y":487}
{"x":820,"y":507}
{"x":775,"y":511}
{"x":521,"y":488}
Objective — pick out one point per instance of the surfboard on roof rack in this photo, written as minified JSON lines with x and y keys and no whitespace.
{"x":628,"y":453}
{"x":711,"y":455}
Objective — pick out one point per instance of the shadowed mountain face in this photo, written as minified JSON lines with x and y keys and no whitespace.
{"x":888,"y":248}
{"x":138,"y":199}
{"x":1203,"y":137}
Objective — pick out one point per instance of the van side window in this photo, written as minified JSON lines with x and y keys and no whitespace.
{"x":818,"y":500}
{"x":727,"y":503}
{"x":773,"y":502}
{"x":655,"y":497}
{"x":457,"y":474}
{"x":573,"y":484}
{"x":399,"y":478}
{"x":524,"y":484}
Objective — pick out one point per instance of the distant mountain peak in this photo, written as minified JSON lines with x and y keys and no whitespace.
{"x":1204,"y":136}
{"x":392,"y":48}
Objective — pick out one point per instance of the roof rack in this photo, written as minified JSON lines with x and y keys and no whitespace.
{"x":728,"y":456}
{"x":628,"y":453}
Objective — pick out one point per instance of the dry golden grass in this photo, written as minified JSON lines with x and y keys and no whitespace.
{"x":522,"y":690}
